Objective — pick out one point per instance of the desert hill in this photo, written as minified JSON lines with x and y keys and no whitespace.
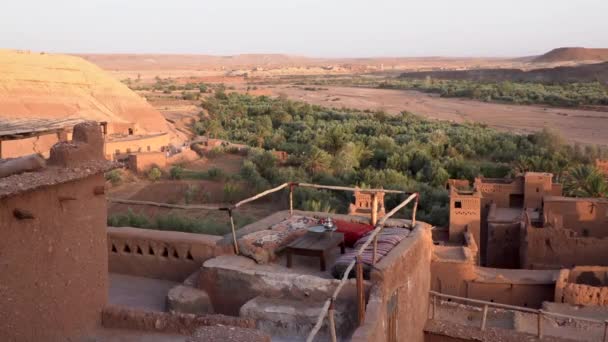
{"x":573,"y":54}
{"x":49,"y":86}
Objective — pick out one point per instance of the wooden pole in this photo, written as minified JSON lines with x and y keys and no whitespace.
{"x":374,"y":209}
{"x":291,"y":199}
{"x":434,"y":305}
{"x":236,"y":245}
{"x":484,"y":317}
{"x":414,"y":211}
{"x":360,"y":291}
{"x":261,"y":194}
{"x":540,"y":324}
{"x":605,"y":331}
{"x":332,"y":322}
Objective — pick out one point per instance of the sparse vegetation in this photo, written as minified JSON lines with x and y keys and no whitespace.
{"x":174,"y":222}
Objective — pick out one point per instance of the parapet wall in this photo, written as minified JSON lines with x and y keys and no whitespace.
{"x":587,"y":217}
{"x":399,"y":298}
{"x":557,"y":248}
{"x":585,"y":285}
{"x":160,"y":254}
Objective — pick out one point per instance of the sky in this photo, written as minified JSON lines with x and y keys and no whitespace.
{"x":316,"y":28}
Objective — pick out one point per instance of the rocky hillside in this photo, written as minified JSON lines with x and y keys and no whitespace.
{"x":573,"y":54}
{"x":49,"y":86}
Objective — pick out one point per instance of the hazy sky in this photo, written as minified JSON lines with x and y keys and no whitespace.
{"x":333,"y":28}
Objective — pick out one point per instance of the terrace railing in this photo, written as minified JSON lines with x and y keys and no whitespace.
{"x":328,"y":307}
{"x":540,"y":314}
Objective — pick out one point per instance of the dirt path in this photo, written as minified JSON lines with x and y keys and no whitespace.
{"x":583,"y":126}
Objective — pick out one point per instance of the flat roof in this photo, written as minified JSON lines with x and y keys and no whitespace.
{"x":574,"y":199}
{"x":514,"y":276}
{"x":22,"y":128}
{"x":49,"y":176}
{"x":505,"y":215}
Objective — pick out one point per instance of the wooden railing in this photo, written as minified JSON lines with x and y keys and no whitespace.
{"x":538,"y":312}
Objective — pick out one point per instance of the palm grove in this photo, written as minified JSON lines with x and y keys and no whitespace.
{"x":370,"y":148}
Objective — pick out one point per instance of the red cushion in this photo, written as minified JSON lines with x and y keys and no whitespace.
{"x":353,"y":231}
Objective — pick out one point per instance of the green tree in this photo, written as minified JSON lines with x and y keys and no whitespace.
{"x":585,"y":181}
{"x":317,"y":161}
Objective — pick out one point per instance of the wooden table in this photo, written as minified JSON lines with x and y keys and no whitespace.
{"x":315,"y":245}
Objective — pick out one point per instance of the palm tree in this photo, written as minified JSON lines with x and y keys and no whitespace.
{"x":317,"y":160}
{"x":585,"y":181}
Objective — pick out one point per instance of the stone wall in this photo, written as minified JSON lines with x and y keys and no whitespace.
{"x":160,"y":254}
{"x":54,"y":266}
{"x":401,"y":282}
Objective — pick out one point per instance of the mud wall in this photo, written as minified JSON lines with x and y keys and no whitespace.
{"x":462,"y":279}
{"x":579,"y":294}
{"x":499,"y":193}
{"x":54,"y":267}
{"x":502,"y":249}
{"x":401,"y":282}
{"x":160,"y":254}
{"x":465,"y":215}
{"x":136,"y":144}
{"x":560,"y":248}
{"x":141,"y":162}
{"x":587,"y":218}
{"x":585,"y":285}
{"x":17,"y":148}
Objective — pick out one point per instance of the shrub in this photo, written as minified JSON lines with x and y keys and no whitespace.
{"x":114,"y":176}
{"x":176,"y":172}
{"x":190,"y":194}
{"x":154,"y":174}
{"x":232,"y":192}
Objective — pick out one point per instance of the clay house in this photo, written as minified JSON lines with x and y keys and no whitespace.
{"x":54,"y":258}
{"x":19,"y":137}
{"x":281,"y":156}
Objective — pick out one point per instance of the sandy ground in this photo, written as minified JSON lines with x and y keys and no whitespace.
{"x":583,"y":126}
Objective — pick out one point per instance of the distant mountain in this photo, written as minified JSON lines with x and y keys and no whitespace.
{"x":573,"y":54}
{"x":563,"y":74}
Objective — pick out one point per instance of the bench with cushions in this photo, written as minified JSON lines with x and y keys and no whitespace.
{"x":388,"y":238}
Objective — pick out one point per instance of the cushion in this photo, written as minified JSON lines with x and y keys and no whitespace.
{"x":388,"y":238}
{"x":263,"y":245}
{"x":353,"y":231}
